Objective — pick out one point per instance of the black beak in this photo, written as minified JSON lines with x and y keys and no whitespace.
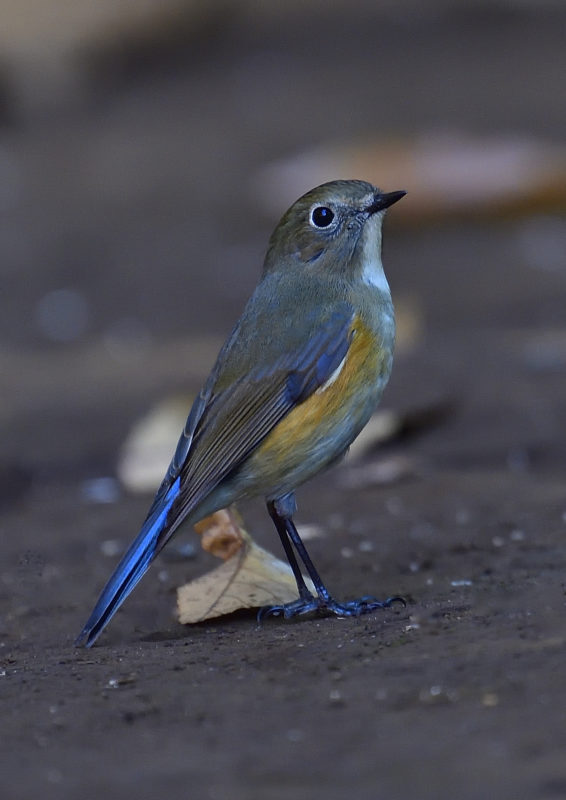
{"x":384,"y":200}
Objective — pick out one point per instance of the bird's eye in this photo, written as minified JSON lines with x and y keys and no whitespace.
{"x":321,"y":216}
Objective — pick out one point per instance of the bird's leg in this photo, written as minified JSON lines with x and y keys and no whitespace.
{"x":281,"y":512}
{"x":281,"y":527}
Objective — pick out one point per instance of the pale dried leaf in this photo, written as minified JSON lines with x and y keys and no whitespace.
{"x":148,"y":449}
{"x":250,"y":579}
{"x":221,"y":533}
{"x":387,"y":426}
{"x":383,"y":426}
{"x":384,"y":472}
{"x":445,"y":174}
{"x":46,"y":45}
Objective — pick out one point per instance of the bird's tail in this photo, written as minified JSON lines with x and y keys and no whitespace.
{"x":130,"y":570}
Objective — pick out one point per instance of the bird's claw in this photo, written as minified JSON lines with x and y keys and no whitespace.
{"x":365,"y":605}
{"x":326,"y":606}
{"x":303,"y":605}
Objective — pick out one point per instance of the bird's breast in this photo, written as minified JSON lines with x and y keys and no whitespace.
{"x":320,"y":429}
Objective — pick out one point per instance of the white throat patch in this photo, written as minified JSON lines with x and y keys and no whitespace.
{"x":372,"y":268}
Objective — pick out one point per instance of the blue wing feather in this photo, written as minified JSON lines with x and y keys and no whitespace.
{"x":129,"y":571}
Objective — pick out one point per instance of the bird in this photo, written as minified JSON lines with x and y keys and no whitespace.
{"x":293,"y":385}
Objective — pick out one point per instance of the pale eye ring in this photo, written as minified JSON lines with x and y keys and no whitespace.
{"x":321,"y":217}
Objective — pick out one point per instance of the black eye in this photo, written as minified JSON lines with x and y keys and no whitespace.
{"x":322,"y":216}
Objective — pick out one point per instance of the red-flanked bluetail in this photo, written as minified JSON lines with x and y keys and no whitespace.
{"x":296,"y":381}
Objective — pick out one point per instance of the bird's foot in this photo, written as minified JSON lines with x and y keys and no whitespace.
{"x":325,"y":606}
{"x":300,"y":606}
{"x":355,"y":608}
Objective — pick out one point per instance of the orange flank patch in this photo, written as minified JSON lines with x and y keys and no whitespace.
{"x":342,"y":398}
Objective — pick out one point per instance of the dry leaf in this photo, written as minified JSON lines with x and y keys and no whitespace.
{"x":221,"y":533}
{"x":47,"y":44}
{"x":251,"y":578}
{"x":383,"y":426}
{"x":387,"y":426}
{"x":148,"y":449}
{"x":445,"y":174}
{"x":379,"y":473}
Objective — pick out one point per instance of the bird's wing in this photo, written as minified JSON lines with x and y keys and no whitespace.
{"x":225,"y":428}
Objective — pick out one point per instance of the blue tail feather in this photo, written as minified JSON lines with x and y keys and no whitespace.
{"x":130,"y":570}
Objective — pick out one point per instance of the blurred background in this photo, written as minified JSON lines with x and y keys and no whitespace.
{"x":147,"y":149}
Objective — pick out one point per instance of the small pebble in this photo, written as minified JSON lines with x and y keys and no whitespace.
{"x":335,"y":697}
{"x":124,"y":680}
{"x":490,"y":700}
{"x":425,"y":695}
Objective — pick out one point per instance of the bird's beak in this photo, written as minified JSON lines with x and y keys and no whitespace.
{"x":384,"y":200}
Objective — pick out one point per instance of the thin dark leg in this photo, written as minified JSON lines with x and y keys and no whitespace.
{"x":293,"y":533}
{"x":279,"y":523}
{"x":281,"y":512}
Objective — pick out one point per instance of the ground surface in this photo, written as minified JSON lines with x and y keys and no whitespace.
{"x":460,"y":695}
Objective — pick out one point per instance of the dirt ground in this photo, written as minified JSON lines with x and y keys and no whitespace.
{"x":138,"y":198}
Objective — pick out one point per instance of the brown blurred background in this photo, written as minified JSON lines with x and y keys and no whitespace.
{"x":133,"y":138}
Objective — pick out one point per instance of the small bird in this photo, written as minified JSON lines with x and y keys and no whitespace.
{"x":293,"y":385}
